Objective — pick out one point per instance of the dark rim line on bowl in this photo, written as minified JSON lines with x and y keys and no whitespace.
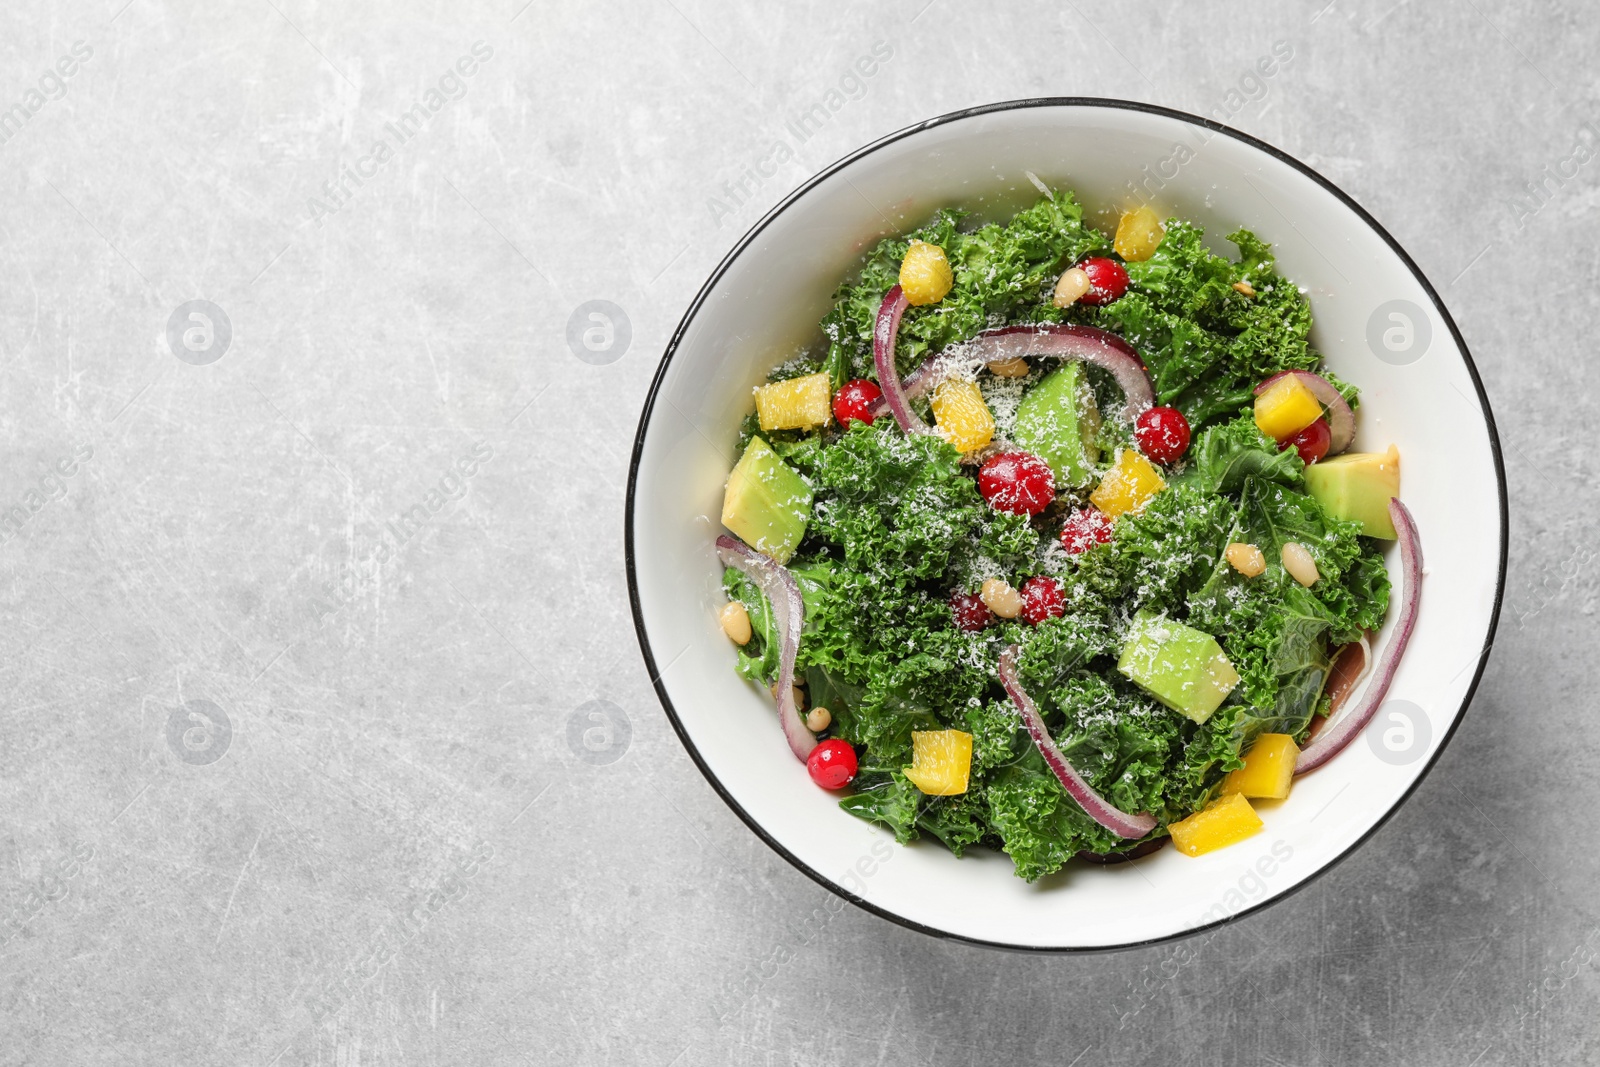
{"x":955,"y":116}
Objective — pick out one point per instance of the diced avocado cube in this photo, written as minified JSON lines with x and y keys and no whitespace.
{"x":1358,"y":486}
{"x":1180,"y":666}
{"x":1057,"y":421}
{"x":766,"y":503}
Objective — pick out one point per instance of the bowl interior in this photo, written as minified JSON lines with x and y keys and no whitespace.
{"x":1378,"y":325}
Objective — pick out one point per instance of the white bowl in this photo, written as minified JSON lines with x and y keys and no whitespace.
{"x":763,"y":303}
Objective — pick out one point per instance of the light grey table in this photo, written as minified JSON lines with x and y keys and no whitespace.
{"x":302,"y":595}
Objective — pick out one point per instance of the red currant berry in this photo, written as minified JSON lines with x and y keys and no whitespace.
{"x":855,"y":401}
{"x":1108,"y":280}
{"x":1162,"y":434}
{"x":971,"y":613}
{"x":1312,"y":442}
{"x":832,"y":764}
{"x":1018,"y":483}
{"x":1041,"y":599}
{"x":1085,"y":528}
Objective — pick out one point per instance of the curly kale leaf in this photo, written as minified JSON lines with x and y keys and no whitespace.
{"x":958,"y":821}
{"x":1207,"y":344}
{"x":1157,"y":558}
{"x":1224,"y":455}
{"x":1278,"y":633}
{"x":1040,"y":827}
{"x":1210,"y":751}
{"x":887,"y":798}
{"x":892,"y":516}
{"x":998,"y":738}
{"x":894,"y":503}
{"x":1003,"y":273}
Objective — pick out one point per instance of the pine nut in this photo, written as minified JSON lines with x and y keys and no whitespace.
{"x":1298,"y":562}
{"x":1246,"y":559}
{"x":1015,"y":367}
{"x":1003,"y":600}
{"x":818,"y":719}
{"x":735,"y":622}
{"x":1245,"y":287}
{"x":1073,"y":284}
{"x":799,"y":695}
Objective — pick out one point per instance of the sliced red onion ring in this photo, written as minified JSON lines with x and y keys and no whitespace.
{"x":884,"y":334}
{"x":912,"y":386}
{"x":1341,"y":420}
{"x":1118,"y":822}
{"x":1064,"y":341}
{"x":1335,"y":735}
{"x":779,"y":587}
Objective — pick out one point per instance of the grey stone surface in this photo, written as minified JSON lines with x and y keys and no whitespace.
{"x":273,"y":791}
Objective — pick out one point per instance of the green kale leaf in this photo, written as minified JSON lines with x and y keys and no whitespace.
{"x":1223,"y":456}
{"x":1003,"y":274}
{"x":1206,"y":344}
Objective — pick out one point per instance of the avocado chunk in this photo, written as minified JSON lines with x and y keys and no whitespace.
{"x":1057,"y":421}
{"x":1358,"y":486}
{"x":767,"y":504}
{"x":1180,"y":666}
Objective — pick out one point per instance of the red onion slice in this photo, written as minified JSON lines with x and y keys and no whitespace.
{"x":1118,"y":822}
{"x":912,"y":386}
{"x":1335,"y":735}
{"x":1341,"y":420}
{"x":780,"y":588}
{"x":1064,"y":341}
{"x":884,"y":333}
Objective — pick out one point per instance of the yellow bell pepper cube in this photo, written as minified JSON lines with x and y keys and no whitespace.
{"x":1268,"y":769}
{"x":925,"y":274}
{"x":1286,"y":407}
{"x":941,"y":761}
{"x":797,"y":404}
{"x":963,"y":417}
{"x":1127,"y":486}
{"x":1139,"y":234}
{"x":1224,"y":822}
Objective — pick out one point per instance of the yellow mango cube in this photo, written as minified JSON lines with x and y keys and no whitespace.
{"x":1139,"y":234}
{"x":963,"y":418}
{"x":1224,"y":822}
{"x":941,"y":761}
{"x":1128,"y":486}
{"x":797,"y":404}
{"x":1286,"y":407}
{"x":925,"y":274}
{"x":1268,"y":769}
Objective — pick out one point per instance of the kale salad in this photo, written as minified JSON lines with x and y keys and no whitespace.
{"x":1054,"y":543}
